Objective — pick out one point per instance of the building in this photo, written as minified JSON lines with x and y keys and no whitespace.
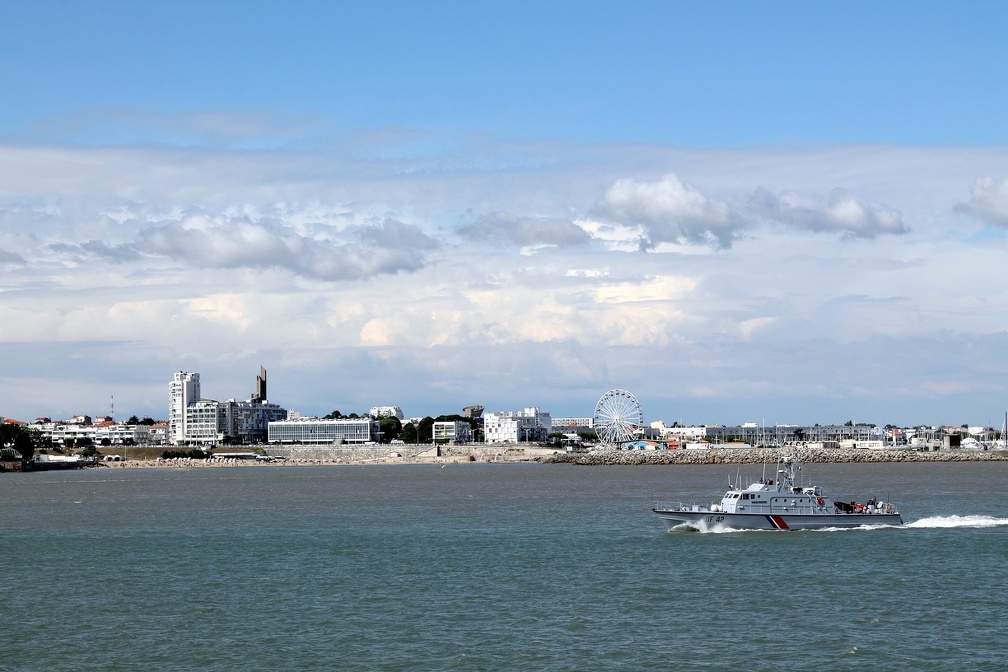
{"x":248,"y":421}
{"x":316,"y":431}
{"x":386,"y":412}
{"x":260,"y":391}
{"x":183,"y":392}
{"x":193,"y":420}
{"x":101,"y":434}
{"x":681,"y":434}
{"x":778,"y":435}
{"x":453,"y":431}
{"x":517,"y":426}
{"x":573,"y":423}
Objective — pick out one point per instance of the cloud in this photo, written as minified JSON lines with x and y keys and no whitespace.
{"x":503,"y":228}
{"x":97,"y":249}
{"x":669,"y":211}
{"x":672,"y":211}
{"x":10,"y":257}
{"x":988,"y":201}
{"x":841,"y":213}
{"x":343,"y":264}
{"x":353,"y":253}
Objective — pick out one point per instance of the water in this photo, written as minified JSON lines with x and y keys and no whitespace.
{"x":491,"y":567}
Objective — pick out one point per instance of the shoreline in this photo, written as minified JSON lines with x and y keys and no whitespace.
{"x":601,"y":458}
{"x":759,"y":455}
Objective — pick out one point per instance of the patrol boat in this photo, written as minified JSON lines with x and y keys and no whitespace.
{"x":778,"y":504}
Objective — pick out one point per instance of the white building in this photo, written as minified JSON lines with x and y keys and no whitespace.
{"x":106,"y":433}
{"x":695,"y":433}
{"x":183,"y":391}
{"x":517,"y":426}
{"x":325,"y":432}
{"x":386,"y":412}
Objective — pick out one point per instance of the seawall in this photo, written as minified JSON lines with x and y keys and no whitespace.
{"x":758,"y":455}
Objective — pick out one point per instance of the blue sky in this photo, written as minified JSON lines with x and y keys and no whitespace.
{"x":695,"y":74}
{"x":740,"y":211}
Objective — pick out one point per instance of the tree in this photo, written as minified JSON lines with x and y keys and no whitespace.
{"x":408,"y":434}
{"x":24,"y":440}
{"x":133,"y":420}
{"x":335,"y":415}
{"x":425,"y":430}
{"x":391,"y":428}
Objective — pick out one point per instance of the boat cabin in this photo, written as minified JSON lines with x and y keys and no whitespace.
{"x":772,"y":499}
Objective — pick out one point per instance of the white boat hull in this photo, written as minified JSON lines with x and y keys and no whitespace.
{"x":706,"y":519}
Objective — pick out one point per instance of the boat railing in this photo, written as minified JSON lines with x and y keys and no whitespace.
{"x":676,"y":506}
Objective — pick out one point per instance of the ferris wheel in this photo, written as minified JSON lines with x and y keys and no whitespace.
{"x":618,"y":417}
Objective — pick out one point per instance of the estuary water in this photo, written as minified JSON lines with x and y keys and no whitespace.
{"x":492,"y":567}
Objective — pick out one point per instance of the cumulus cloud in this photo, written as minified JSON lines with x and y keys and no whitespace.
{"x":988,"y":201}
{"x":507,"y":229}
{"x":672,"y":211}
{"x":669,"y":211}
{"x":356,"y":252}
{"x":841,"y":213}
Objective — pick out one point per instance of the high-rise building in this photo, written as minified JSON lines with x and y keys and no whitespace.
{"x":183,"y":391}
{"x":260,"y":391}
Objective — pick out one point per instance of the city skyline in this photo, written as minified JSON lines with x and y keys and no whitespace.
{"x":780,"y":212}
{"x":257,"y":397}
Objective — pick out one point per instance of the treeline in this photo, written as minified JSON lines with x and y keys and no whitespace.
{"x":194,"y":454}
{"x":421,"y":432}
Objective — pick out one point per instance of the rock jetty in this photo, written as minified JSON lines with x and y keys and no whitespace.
{"x":758,"y":455}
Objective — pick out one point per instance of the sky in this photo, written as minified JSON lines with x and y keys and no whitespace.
{"x":773,"y":212}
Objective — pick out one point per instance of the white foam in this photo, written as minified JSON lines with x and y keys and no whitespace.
{"x":959,"y":521}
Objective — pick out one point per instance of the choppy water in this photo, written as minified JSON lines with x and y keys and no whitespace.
{"x":491,"y":567}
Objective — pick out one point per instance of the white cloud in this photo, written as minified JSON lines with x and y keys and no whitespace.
{"x":841,"y":213}
{"x":669,"y":211}
{"x":988,"y":201}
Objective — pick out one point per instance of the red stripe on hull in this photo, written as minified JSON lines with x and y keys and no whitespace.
{"x":779,"y":522}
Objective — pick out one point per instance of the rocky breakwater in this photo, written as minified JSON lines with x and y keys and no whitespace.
{"x":759,"y":455}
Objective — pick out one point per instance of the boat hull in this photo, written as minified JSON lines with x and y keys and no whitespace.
{"x":706,"y":520}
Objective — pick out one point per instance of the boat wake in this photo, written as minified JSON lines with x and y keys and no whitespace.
{"x":959,"y":521}
{"x":705,"y":528}
{"x":933,"y":522}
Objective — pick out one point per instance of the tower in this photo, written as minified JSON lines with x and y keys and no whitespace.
{"x":260,"y":391}
{"x":183,"y":390}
